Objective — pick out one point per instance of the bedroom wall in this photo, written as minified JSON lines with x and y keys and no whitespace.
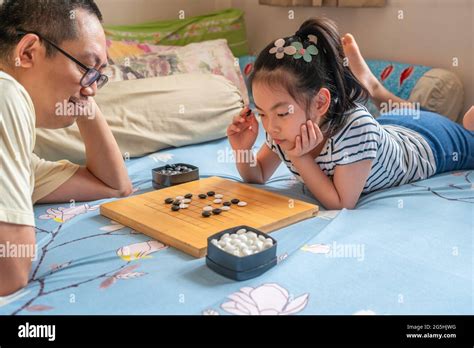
{"x":136,"y":11}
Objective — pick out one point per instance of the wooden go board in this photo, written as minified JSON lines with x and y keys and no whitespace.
{"x":188,"y":230}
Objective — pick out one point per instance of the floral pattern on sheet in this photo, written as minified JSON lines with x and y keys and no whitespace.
{"x":38,"y":283}
{"x":266,"y":299}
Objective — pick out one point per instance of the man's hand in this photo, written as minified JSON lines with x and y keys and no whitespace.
{"x":310,"y":137}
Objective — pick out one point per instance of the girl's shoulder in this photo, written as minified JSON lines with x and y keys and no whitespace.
{"x":358,"y":122}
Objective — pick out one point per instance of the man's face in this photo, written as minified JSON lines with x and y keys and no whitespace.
{"x":54,"y":83}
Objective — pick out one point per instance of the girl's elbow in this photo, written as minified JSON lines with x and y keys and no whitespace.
{"x":348,"y":205}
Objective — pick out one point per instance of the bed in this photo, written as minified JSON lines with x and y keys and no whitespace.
{"x":404,"y":250}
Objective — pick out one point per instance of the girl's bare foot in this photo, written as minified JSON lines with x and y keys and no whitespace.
{"x":381,"y":96}
{"x":358,"y":65}
{"x":468,"y":119}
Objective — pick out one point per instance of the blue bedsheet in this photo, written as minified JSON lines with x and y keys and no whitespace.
{"x":405,"y":250}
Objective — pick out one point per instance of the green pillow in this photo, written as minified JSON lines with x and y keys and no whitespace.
{"x":228,"y":24}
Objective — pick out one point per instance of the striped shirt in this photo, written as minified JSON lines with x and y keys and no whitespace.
{"x":399,"y":155}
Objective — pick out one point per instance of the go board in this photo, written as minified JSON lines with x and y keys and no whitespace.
{"x":187,"y":230}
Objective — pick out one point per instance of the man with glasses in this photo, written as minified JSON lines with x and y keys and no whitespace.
{"x":52,"y":52}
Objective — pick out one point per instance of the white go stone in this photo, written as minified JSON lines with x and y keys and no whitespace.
{"x":217,"y":200}
{"x":183,"y":206}
{"x":229,"y":248}
{"x":242,"y":204}
{"x":218,"y":195}
{"x":179,"y":198}
{"x":243,"y":243}
{"x":186,"y":200}
{"x":225,"y":208}
{"x":252,"y":235}
{"x":207,"y":208}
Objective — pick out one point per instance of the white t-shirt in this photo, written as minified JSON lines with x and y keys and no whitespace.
{"x":400,"y":155}
{"x":24,"y":178}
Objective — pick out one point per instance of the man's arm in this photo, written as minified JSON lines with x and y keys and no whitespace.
{"x":14,"y":271}
{"x":104,"y":175}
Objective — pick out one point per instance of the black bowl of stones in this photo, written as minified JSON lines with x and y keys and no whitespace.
{"x":174,"y":174}
{"x":241,"y":252}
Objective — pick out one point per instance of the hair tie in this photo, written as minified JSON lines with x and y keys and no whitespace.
{"x":296,"y":49}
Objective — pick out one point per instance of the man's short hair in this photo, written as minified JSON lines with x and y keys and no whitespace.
{"x":53,"y":19}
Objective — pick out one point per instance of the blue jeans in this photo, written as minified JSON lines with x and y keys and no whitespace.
{"x":451,"y":143}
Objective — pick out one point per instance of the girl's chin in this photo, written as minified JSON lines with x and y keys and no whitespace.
{"x":286,"y":145}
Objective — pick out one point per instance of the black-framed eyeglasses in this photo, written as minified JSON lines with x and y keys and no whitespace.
{"x":90,"y":76}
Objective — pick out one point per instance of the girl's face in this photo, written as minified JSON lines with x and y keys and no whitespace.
{"x":282,"y":117}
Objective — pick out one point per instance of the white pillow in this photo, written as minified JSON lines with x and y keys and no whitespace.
{"x":147,"y":115}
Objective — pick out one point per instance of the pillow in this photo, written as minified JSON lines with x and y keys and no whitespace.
{"x":148,"y":115}
{"x":437,"y":90}
{"x":211,"y":57}
{"x":228,"y":24}
{"x":441,"y":91}
{"x":398,"y":78}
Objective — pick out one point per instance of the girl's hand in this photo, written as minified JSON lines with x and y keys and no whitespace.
{"x":311,"y":136}
{"x":243,"y":130}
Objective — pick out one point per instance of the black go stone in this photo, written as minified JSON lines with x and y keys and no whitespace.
{"x":202,"y":195}
{"x":169,"y":200}
{"x":177,"y":202}
{"x":227,"y":204}
{"x":216,"y":211}
{"x":189,"y":195}
{"x":206,"y":213}
{"x":235,"y":201}
{"x":211,"y":193}
{"x":175,"y":207}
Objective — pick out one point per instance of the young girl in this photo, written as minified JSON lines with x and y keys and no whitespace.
{"x":308,"y":100}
